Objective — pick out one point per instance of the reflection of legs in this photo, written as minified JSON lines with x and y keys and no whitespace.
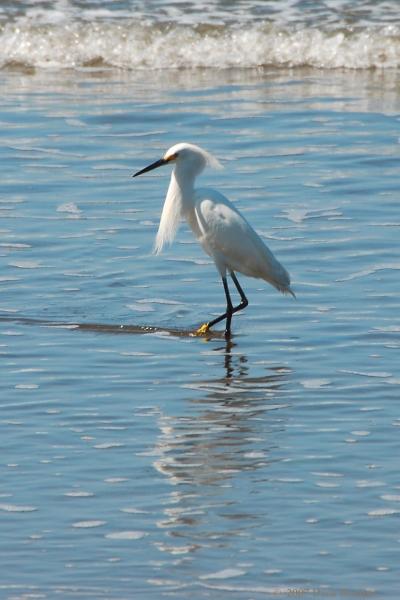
{"x":230,"y":309}
{"x":229,"y":368}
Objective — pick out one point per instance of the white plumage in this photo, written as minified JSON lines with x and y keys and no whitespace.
{"x":220,"y":228}
{"x":181,"y":188}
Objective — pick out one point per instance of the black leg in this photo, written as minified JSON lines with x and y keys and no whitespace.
{"x":230,"y":309}
{"x":227,"y":314}
{"x":243,"y":300}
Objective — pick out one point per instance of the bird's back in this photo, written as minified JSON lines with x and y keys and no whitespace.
{"x":228,"y":237}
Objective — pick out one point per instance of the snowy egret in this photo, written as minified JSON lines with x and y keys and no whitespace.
{"x":222,"y":231}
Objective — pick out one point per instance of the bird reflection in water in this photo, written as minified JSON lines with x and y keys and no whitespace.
{"x":218,"y":444}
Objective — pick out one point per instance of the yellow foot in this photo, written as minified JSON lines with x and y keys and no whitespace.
{"x":203,"y":329}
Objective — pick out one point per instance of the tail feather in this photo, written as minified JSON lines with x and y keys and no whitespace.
{"x":284,"y":288}
{"x":276,"y":274}
{"x":289,"y":292}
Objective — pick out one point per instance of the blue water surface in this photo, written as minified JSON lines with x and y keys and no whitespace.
{"x":144,"y":465}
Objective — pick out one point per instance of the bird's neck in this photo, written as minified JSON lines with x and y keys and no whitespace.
{"x":181,"y":188}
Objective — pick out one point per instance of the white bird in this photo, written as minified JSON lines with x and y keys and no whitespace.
{"x":221,"y":229}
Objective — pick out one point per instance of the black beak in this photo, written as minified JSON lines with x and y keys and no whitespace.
{"x":154,"y":165}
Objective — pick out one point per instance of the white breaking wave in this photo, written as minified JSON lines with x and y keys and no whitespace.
{"x":137,"y":45}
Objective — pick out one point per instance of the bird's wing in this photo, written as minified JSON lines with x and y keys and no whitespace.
{"x":230,"y":239}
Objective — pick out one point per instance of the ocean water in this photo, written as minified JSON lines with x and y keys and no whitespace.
{"x":139,"y":461}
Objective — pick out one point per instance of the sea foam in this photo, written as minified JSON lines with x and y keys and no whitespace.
{"x":137,"y":45}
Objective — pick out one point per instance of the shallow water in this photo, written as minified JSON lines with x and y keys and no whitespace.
{"x":153,"y":464}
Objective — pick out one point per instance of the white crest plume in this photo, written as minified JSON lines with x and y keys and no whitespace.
{"x":181,"y":187}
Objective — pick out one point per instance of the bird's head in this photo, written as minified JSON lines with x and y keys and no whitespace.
{"x":187,"y":158}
